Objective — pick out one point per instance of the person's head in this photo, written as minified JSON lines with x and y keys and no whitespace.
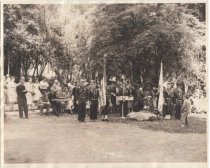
{"x":36,"y":80}
{"x":12,"y":78}
{"x":186,"y":96}
{"x":141,"y":89}
{"x":7,"y":76}
{"x":45,"y":93}
{"x":65,"y":89}
{"x":30,"y":79}
{"x":56,"y":81}
{"x":22,"y":80}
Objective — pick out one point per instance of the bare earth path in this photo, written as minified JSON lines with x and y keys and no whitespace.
{"x":43,"y":139}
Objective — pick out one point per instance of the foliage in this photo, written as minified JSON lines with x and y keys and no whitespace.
{"x":135,"y":37}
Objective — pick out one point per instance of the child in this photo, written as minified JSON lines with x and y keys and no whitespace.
{"x":185,"y":111}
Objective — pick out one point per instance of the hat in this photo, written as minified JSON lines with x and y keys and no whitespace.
{"x":86,"y":83}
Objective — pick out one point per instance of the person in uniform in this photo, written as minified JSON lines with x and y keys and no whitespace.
{"x":113,"y":97}
{"x":81,"y":102}
{"x":178,"y":96}
{"x":94,"y":95}
{"x":117,"y":91}
{"x":105,"y":109}
{"x":130,"y":98}
{"x":43,"y":86}
{"x":124,"y":93}
{"x":21,"y":98}
{"x":186,"y":107}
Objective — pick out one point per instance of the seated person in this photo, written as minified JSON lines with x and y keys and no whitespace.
{"x":67,"y":96}
{"x":44,"y":103}
{"x":55,"y":102}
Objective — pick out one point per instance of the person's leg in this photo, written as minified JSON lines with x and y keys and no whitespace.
{"x":20,"y":107}
{"x":183,"y":119}
{"x":41,"y":107}
{"x":186,"y":121}
{"x":47,"y":109}
{"x":25,"y":107}
{"x":83,"y":112}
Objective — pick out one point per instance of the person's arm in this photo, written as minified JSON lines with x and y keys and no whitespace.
{"x":183,"y":106}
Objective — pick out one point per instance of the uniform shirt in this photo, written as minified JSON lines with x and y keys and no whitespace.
{"x":186,"y":106}
{"x":44,"y":99}
{"x":43,"y":85}
{"x":20,"y":89}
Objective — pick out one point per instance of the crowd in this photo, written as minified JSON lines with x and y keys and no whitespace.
{"x":84,"y":98}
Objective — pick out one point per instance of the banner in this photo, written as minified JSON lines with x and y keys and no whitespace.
{"x":161,"y":97}
{"x":102,"y":93}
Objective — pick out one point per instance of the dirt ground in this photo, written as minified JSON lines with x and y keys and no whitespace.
{"x":49,"y":139}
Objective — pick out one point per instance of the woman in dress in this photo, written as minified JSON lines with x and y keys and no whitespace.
{"x":29,"y":95}
{"x":11,"y":91}
{"x":36,"y":91}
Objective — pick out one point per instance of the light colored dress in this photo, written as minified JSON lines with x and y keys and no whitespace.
{"x":37,"y":93}
{"x":11,"y":91}
{"x":29,"y":96}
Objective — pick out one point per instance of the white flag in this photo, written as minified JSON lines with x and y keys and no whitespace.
{"x":161,"y":98}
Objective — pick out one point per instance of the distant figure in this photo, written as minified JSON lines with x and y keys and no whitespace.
{"x":81,"y":102}
{"x":37,"y":93}
{"x":30,"y":89}
{"x":21,"y":98}
{"x":43,"y":86}
{"x":44,"y":103}
{"x":94,"y":103}
{"x":11,"y":88}
{"x":185,"y":111}
{"x":56,"y":86}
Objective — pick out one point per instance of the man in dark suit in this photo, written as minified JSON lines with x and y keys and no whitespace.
{"x":21,"y":98}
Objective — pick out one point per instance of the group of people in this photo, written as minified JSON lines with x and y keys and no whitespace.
{"x":84,"y":98}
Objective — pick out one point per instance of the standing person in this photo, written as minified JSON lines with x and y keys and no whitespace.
{"x":21,"y":98}
{"x":11,"y":88}
{"x":178,"y":97}
{"x":185,"y":111}
{"x":94,"y":95}
{"x":105,"y":109}
{"x":75,"y":93}
{"x":37,"y":93}
{"x":29,"y":95}
{"x":43,"y":86}
{"x":7,"y":80}
{"x":113,"y":97}
{"x":130,"y":98}
{"x":81,"y":102}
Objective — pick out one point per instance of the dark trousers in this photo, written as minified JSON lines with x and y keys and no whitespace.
{"x":56,"y":106}
{"x":124,"y":105}
{"x":22,"y":106}
{"x":94,"y":109}
{"x":178,"y":111}
{"x":81,"y":111}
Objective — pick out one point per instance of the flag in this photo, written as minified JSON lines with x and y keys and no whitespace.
{"x":102,"y":94}
{"x":161,"y":98}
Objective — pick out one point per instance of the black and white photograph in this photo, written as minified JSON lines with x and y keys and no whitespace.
{"x":105,"y":83}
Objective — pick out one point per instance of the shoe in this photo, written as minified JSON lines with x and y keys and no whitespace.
{"x":27,"y":118}
{"x":21,"y":117}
